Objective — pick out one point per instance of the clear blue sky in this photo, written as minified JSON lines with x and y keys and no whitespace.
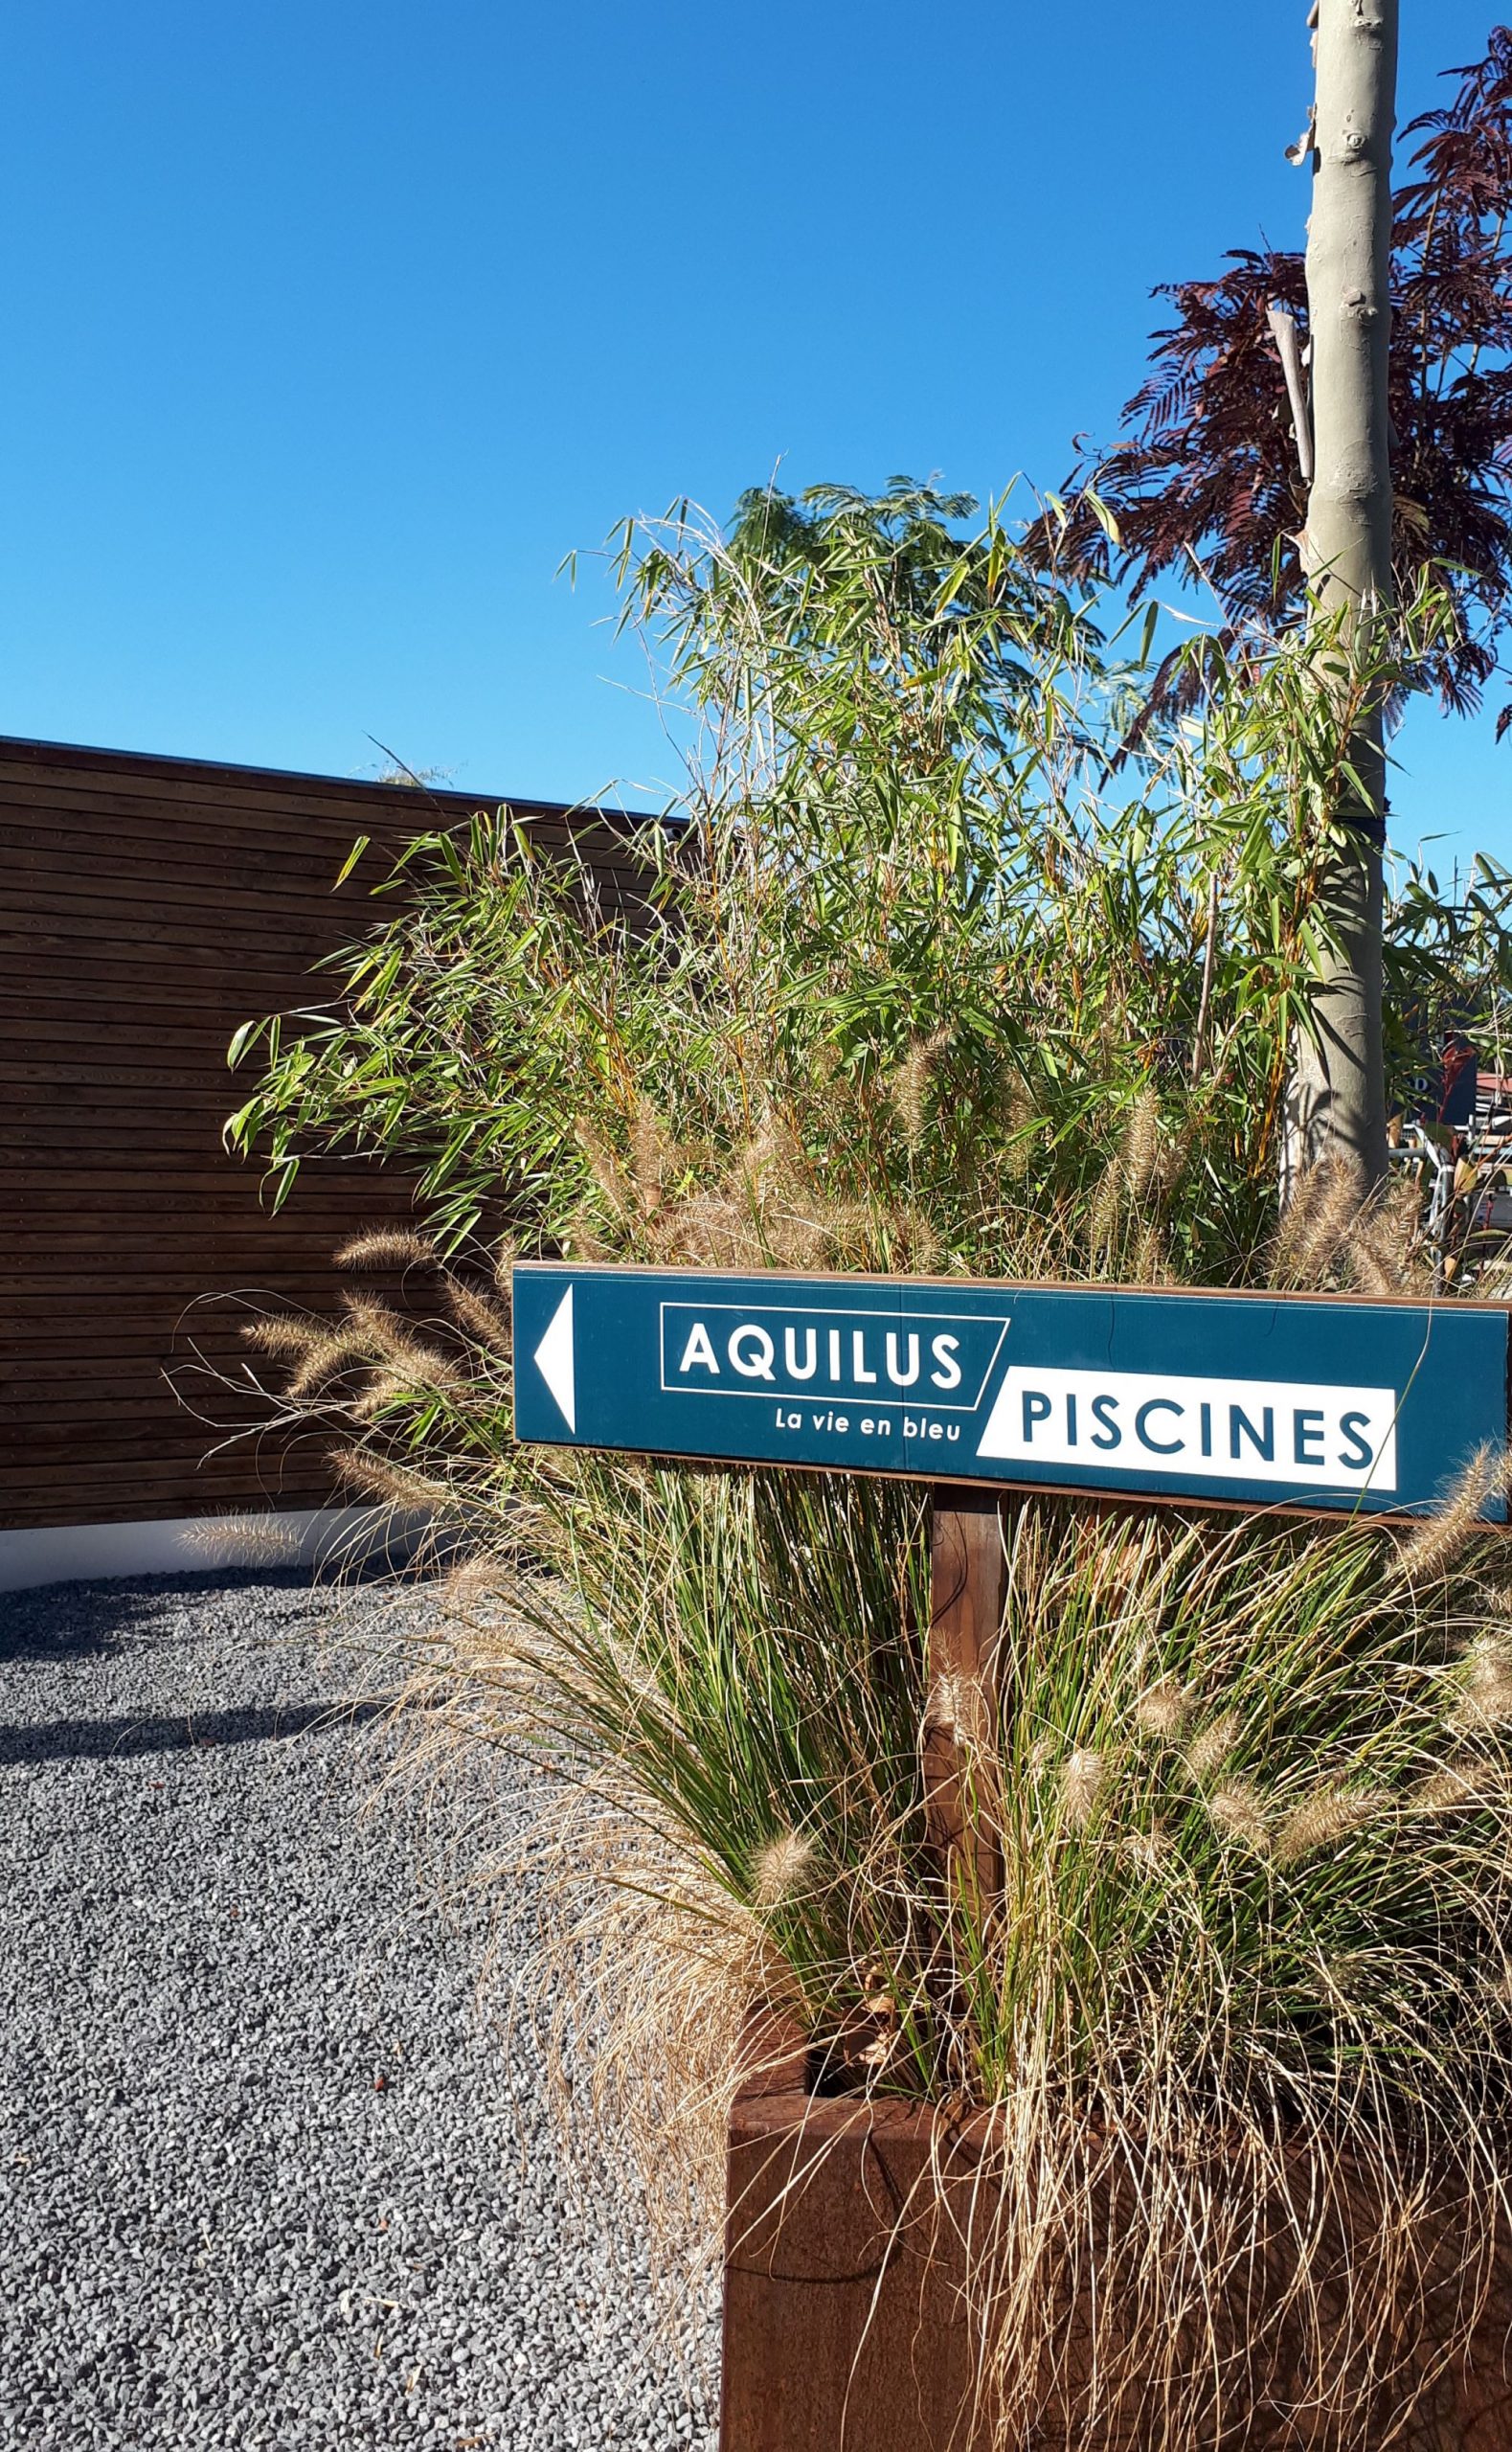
{"x":329,"y":328}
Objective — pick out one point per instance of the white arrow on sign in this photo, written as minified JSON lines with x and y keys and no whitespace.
{"x":553,"y":1360}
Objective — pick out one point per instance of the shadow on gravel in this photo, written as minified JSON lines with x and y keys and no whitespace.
{"x":65,"y":1620}
{"x":180,"y":1732}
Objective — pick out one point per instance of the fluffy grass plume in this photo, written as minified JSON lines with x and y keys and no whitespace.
{"x":1433,"y":1548}
{"x":1331,"y":1814}
{"x":1164,"y":1708}
{"x":1083,"y":1785}
{"x":1238,"y":1810}
{"x":387,"y":1247}
{"x":1213,"y":1745}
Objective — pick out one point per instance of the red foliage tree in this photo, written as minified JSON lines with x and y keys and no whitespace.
{"x":1209,"y":466}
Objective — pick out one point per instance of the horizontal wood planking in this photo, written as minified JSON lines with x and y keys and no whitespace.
{"x":190,"y":878}
{"x":116,"y":1361}
{"x":126,"y":1186}
{"x":115,"y":987}
{"x":45,"y":822}
{"x":115,"y":1441}
{"x":148,"y":907}
{"x":52,"y":1498}
{"x":253,"y":826}
{"x":35,"y":1240}
{"x":177,"y":1471}
{"x":137,"y":1001}
{"x":206,"y":782}
{"x":302,"y":1277}
{"x":332,"y":1179}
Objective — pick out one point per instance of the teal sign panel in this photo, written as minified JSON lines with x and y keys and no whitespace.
{"x":1249,"y":1400}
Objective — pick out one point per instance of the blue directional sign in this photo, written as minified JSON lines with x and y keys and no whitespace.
{"x":1244,"y":1399}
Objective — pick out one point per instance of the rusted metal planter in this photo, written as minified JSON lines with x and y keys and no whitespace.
{"x":845,"y":2331}
{"x":838,"y":2331}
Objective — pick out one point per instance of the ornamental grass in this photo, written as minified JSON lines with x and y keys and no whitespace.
{"x":955,"y":963}
{"x":1249,"y":1785}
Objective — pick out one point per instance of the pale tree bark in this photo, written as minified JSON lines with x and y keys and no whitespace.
{"x":1338,"y":1090}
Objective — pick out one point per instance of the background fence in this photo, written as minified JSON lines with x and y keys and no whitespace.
{"x":148,"y":905}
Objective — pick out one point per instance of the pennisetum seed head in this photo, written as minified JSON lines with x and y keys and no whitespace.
{"x":1440,"y":1541}
{"x":1083,"y":1778}
{"x":1211,"y":1747}
{"x":1142,"y":1146}
{"x":1318,"y":1217}
{"x":1103,"y":1229}
{"x":909,"y":1085}
{"x":1237,"y":1808}
{"x":1148,"y":1851}
{"x":1164,"y":1708}
{"x":1449,"y":1790}
{"x":387,"y":1247}
{"x":779,"y":1868}
{"x":1331,"y":1814}
{"x":1485,"y":1704}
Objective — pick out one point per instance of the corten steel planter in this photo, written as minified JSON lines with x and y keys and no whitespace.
{"x":847,"y":2331}
{"x":838,"y":2331}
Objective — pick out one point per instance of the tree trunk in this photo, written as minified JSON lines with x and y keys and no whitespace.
{"x":1338,"y":1090}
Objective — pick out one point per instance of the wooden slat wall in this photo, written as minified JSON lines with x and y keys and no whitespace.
{"x":148,"y":905}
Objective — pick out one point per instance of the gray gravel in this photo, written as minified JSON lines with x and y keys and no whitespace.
{"x":264,"y":2178}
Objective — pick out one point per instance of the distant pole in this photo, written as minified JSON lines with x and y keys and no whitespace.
{"x":1338,"y":1091}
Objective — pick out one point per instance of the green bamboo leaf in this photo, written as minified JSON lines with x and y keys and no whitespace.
{"x":352,"y":860}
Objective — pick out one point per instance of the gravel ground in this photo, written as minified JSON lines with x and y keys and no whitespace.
{"x":264,"y":2180}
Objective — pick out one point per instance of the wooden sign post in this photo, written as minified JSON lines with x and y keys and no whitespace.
{"x":968,"y":1586}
